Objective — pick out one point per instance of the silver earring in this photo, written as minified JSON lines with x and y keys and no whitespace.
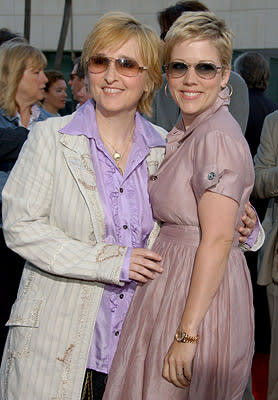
{"x":229,"y":86}
{"x":166,"y":90}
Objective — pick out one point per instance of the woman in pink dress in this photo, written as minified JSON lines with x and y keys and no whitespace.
{"x":188,"y":334}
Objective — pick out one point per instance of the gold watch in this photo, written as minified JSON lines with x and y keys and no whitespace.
{"x":182,"y":337}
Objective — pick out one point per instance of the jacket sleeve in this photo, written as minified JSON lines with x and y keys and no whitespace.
{"x":29,"y":226}
{"x":266,"y":165}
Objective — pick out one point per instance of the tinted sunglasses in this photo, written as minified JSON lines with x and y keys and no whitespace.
{"x":204,"y":70}
{"x":124,"y":66}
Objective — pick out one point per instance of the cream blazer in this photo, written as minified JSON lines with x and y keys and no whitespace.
{"x":53,"y":217}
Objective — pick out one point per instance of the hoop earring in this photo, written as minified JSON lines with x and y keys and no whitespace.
{"x":166,"y":90}
{"x":230,"y":89}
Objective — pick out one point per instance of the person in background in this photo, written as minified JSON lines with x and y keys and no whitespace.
{"x":266,"y":170}
{"x":55,"y":92}
{"x":254,"y":69}
{"x":189,"y":333}
{"x":165,"y":111}
{"x":6,"y":34}
{"x":22,"y":83}
{"x":78,"y":84}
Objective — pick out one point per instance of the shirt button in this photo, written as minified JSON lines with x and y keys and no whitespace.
{"x":153,"y":177}
{"x":211,"y":176}
{"x":125,"y":226}
{"x":121,"y":190}
{"x":117,"y":333}
{"x":121,"y":296}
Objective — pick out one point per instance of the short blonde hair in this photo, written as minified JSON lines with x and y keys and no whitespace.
{"x":116,"y":28}
{"x":15,"y":57}
{"x":201,"y":25}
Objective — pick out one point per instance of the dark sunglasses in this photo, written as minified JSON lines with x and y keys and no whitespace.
{"x":204,"y":70}
{"x":124,"y":66}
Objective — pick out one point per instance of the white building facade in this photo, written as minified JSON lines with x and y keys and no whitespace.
{"x":254,"y":22}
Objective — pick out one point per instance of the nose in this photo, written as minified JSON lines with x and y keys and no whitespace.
{"x":111,"y":72}
{"x":190,"y":77}
{"x":43,"y":77}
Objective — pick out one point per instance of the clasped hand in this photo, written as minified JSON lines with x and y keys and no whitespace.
{"x":143,"y":265}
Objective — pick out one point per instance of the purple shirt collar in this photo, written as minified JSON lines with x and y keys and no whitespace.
{"x":84,"y":123}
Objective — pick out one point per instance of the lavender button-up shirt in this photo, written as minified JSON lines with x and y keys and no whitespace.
{"x":128,"y":221}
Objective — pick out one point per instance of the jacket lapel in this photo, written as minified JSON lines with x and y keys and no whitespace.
{"x":77,"y":155}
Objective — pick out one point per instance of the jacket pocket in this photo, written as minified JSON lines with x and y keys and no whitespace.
{"x":23,"y":323}
{"x":25,"y":312}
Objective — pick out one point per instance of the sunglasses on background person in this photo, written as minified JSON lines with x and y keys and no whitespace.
{"x":124,"y":66}
{"x":204,"y":70}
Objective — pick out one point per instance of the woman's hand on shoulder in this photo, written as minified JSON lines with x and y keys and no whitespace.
{"x":143,"y":265}
{"x":177,"y":368}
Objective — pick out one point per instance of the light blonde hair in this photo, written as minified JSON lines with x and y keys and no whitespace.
{"x":201,"y":25}
{"x":116,"y":28}
{"x":15,"y":57}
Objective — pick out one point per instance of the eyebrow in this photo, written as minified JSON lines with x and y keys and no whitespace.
{"x":120,"y":56}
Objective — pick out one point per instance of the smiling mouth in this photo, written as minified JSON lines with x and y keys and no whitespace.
{"x":112,"y":90}
{"x":190,"y":94}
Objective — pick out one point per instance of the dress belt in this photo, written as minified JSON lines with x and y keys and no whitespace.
{"x":185,"y":234}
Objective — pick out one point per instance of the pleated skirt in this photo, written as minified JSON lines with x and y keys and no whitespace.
{"x":222,"y":363}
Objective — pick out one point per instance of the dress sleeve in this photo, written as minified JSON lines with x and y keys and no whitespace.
{"x":218,"y":166}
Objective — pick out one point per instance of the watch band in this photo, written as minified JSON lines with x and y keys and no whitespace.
{"x":182,"y":337}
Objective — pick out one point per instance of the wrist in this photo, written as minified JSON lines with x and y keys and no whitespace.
{"x":185,"y":336}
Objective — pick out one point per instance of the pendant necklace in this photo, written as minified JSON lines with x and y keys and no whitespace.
{"x":117,"y":156}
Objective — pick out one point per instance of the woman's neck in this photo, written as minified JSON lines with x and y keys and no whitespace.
{"x":25,"y":112}
{"x":117,"y":128}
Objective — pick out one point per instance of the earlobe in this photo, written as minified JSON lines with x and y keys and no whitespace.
{"x":225,"y":77}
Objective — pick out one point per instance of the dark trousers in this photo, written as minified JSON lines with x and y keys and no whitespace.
{"x":94,"y":385}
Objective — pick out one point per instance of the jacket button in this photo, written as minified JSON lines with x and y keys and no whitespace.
{"x":121,"y":190}
{"x":121,"y":296}
{"x":153,"y":177}
{"x":117,"y":333}
{"x":125,"y":226}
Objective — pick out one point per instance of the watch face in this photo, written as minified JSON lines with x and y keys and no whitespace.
{"x":179,"y":335}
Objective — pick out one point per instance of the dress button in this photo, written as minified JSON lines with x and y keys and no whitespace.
{"x":211,"y":176}
{"x":121,"y":190}
{"x":125,"y":226}
{"x":121,"y":296}
{"x":117,"y":333}
{"x":153,"y":177}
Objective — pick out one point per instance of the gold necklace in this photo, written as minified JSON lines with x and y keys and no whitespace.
{"x":117,"y":156}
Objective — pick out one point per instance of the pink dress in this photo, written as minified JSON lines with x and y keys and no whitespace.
{"x":211,"y":154}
